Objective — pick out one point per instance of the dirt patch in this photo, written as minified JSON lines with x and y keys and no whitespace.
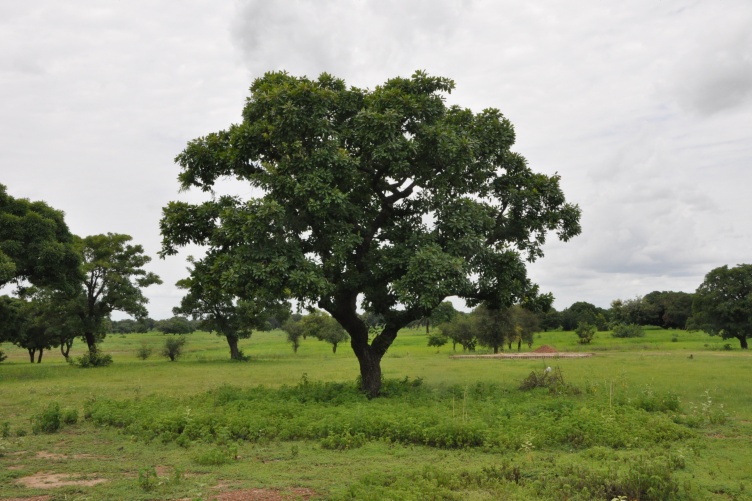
{"x":16,"y":467}
{"x":59,"y":457}
{"x":53,"y":480}
{"x":545,"y":349}
{"x":265,"y":495}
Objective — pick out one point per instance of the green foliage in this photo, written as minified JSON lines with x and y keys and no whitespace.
{"x":5,"y":430}
{"x":47,"y":421}
{"x":175,"y":325}
{"x":437,"y":339}
{"x":147,"y":479}
{"x":144,"y":351}
{"x":627,"y":331}
{"x":583,"y":312}
{"x":173,"y":347}
{"x":461,"y":330}
{"x":349,"y":178}
{"x":3,"y":356}
{"x":324,"y":328}
{"x":552,"y":379}
{"x":722,"y":304}
{"x":343,"y":440}
{"x":90,"y":360}
{"x":585,"y":332}
{"x":115,"y":277}
{"x":35,"y":244}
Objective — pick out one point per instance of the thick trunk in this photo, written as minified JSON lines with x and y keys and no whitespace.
{"x":743,"y":342}
{"x":234,"y":352}
{"x":370,"y":373}
{"x":31,"y":354}
{"x":39,"y":358}
{"x":496,"y":350}
{"x":91,"y":342}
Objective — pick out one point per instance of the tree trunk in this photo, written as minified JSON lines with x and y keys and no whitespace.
{"x":334,"y":348}
{"x":234,"y":352}
{"x":65,"y":347}
{"x":743,"y":342}
{"x":496,"y":350}
{"x":519,"y":344}
{"x":31,"y":354}
{"x":91,"y":342}
{"x":39,"y":358}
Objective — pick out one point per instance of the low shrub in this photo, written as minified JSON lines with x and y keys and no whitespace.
{"x":627,"y":331}
{"x":47,"y":421}
{"x":173,"y":347}
{"x":552,"y":379}
{"x":144,"y":351}
{"x":91,"y":359}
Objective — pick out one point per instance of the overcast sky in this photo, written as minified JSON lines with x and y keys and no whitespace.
{"x":644,"y":108}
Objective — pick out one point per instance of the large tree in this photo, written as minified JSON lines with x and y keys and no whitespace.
{"x":35,"y":244}
{"x":386,"y":196}
{"x":722,"y":305}
{"x":113,"y":279}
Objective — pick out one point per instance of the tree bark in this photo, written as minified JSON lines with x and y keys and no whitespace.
{"x":743,"y":342}
{"x":31,"y":354}
{"x":234,"y":352}
{"x":39,"y":358}
{"x":91,"y":342}
{"x":65,"y":347}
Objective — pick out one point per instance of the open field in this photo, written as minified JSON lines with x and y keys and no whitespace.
{"x":646,"y":418}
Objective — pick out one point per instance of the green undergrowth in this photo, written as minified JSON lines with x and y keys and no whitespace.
{"x":340,"y":417}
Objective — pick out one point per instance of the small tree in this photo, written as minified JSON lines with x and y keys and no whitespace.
{"x":585,"y":332}
{"x":461,"y":330}
{"x":294,"y":331}
{"x":437,"y":339}
{"x":324,"y":328}
{"x":173,"y":347}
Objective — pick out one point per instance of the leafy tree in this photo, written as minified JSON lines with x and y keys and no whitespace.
{"x":175,"y":325}
{"x":294,"y":330}
{"x":636,"y":311}
{"x":114,"y":276}
{"x":218,"y":311}
{"x":584,"y":312}
{"x":493,"y":326}
{"x":324,"y":328}
{"x":437,"y":339}
{"x":526,"y":324}
{"x":35,"y":245}
{"x":461,"y":330}
{"x":549,"y":320}
{"x":585,"y":332}
{"x":672,"y":308}
{"x":722,"y":304}
{"x":386,"y":195}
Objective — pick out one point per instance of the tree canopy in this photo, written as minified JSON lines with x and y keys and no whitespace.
{"x":722,"y":304}
{"x":114,"y":275}
{"x":387,"y":197}
{"x":35,"y":244}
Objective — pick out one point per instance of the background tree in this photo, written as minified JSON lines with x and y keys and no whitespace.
{"x":175,"y":325}
{"x":113,"y":278}
{"x":722,"y":304}
{"x":549,"y":320}
{"x":349,"y":178}
{"x":526,"y":324}
{"x":672,"y":308}
{"x":493,"y":326}
{"x":585,"y":312}
{"x":218,"y":311}
{"x":36,"y":245}
{"x":294,"y":330}
{"x":324,"y":328}
{"x":460,"y":330}
{"x":173,"y":347}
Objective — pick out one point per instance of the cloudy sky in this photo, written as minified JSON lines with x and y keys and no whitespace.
{"x":644,"y":108}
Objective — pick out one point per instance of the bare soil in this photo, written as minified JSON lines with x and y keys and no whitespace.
{"x":43,"y":480}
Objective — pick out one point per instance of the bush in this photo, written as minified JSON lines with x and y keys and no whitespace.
{"x":89,"y":360}
{"x":585,"y":332}
{"x":627,"y":330}
{"x":144,"y":351}
{"x":173,"y":347}
{"x":47,"y":421}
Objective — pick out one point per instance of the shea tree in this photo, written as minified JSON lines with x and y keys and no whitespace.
{"x":387,"y":200}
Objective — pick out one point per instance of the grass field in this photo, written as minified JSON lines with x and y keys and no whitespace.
{"x":666,"y":416}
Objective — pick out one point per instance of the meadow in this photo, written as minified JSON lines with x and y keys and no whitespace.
{"x":665,"y":416}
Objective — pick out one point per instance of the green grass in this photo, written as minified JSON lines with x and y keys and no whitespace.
{"x":651,"y":417}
